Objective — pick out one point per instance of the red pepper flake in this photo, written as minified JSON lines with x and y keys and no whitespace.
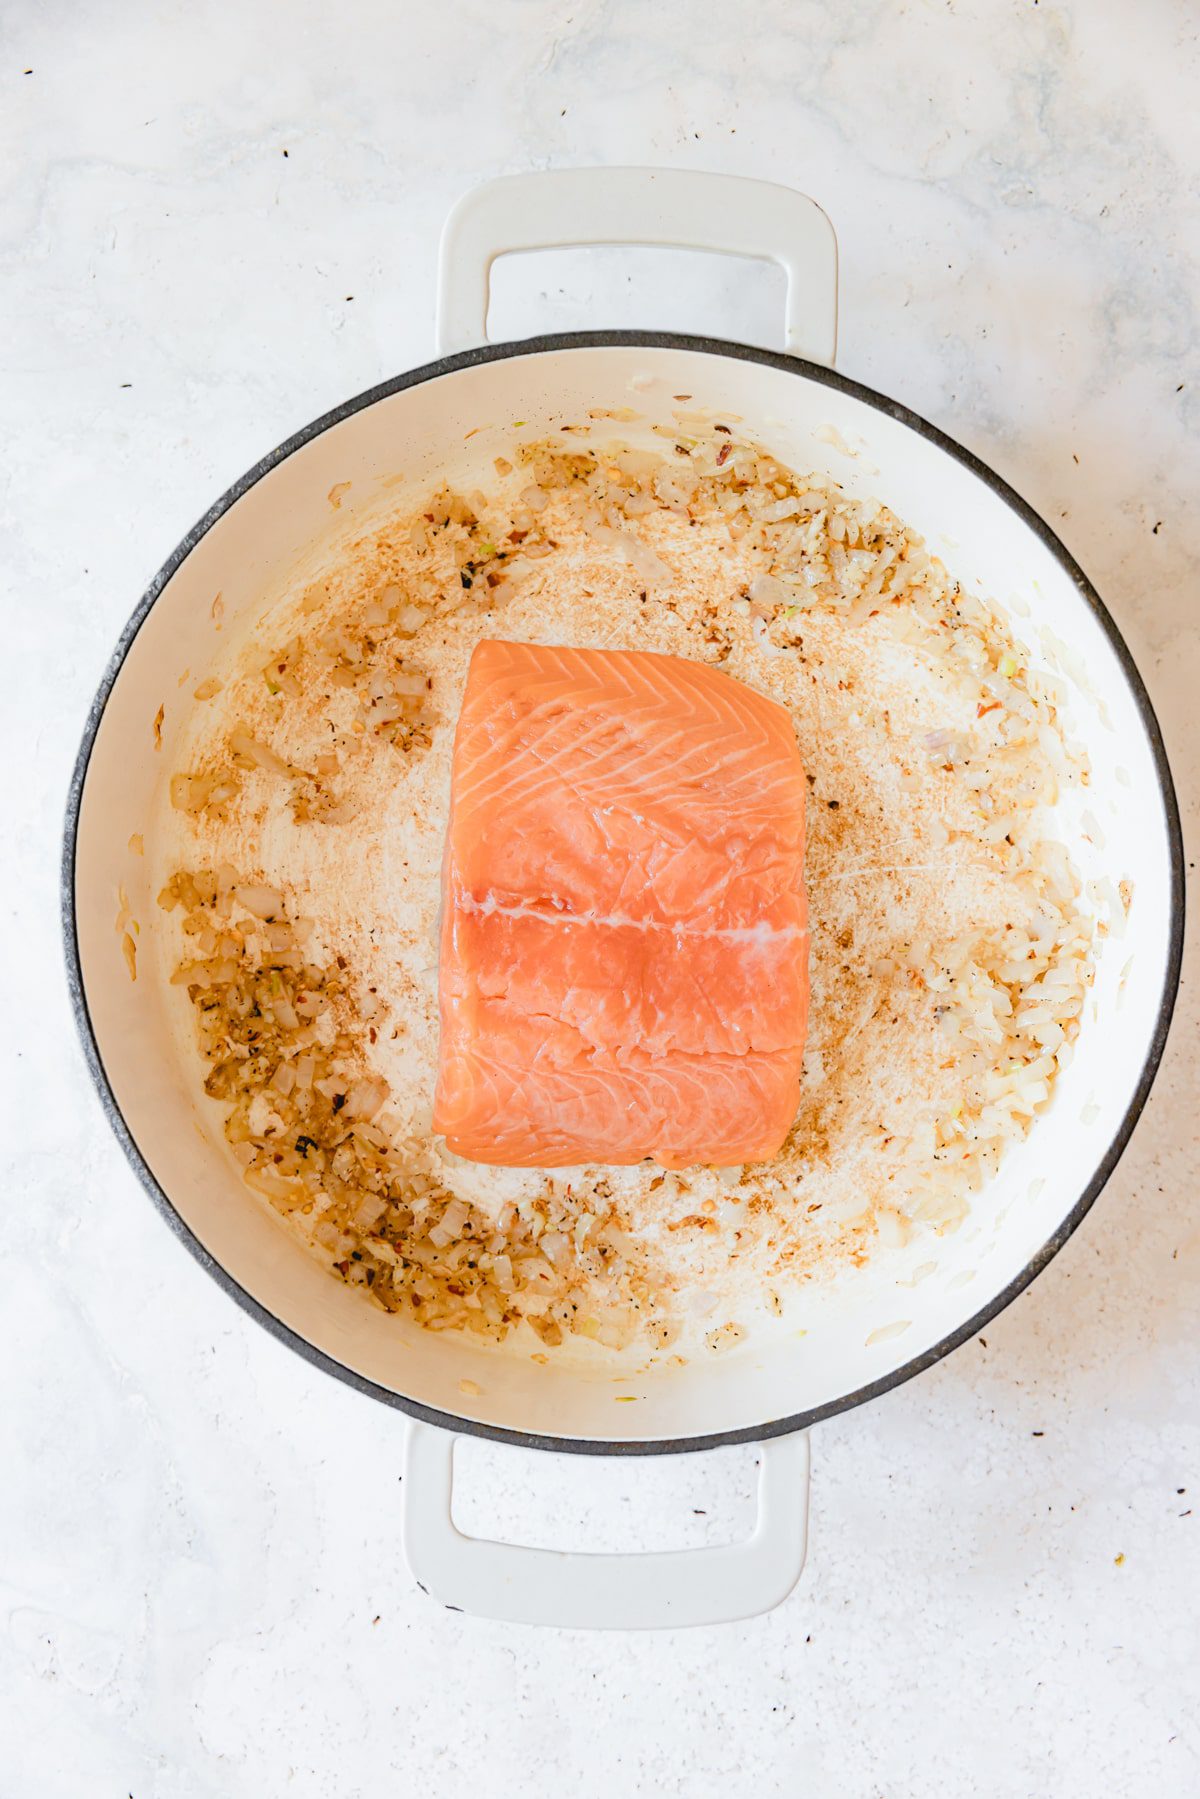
{"x":982,"y":711}
{"x":723,"y":454}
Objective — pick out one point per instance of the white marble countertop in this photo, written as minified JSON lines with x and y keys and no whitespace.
{"x":216,"y":222}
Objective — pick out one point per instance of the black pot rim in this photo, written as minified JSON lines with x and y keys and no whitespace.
{"x":587,"y":340}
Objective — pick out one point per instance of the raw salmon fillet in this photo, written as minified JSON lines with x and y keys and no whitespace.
{"x":624,"y":943}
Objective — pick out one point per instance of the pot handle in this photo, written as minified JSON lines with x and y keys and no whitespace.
{"x":661,"y":1590}
{"x":676,"y":208}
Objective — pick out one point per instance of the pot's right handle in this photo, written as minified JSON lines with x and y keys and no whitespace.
{"x":677,"y":208}
{"x":646,"y":1590}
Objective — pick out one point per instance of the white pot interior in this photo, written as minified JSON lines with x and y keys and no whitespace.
{"x":845,"y":1334}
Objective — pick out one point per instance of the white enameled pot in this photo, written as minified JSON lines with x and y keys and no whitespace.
{"x":446,"y":422}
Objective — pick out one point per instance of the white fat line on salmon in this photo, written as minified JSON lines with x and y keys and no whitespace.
{"x":617,"y":921}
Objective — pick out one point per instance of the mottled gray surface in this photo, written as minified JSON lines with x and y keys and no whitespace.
{"x":198,"y":1531}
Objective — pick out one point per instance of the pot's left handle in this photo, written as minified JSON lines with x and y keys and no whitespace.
{"x":654,"y":1591}
{"x":667,"y":208}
